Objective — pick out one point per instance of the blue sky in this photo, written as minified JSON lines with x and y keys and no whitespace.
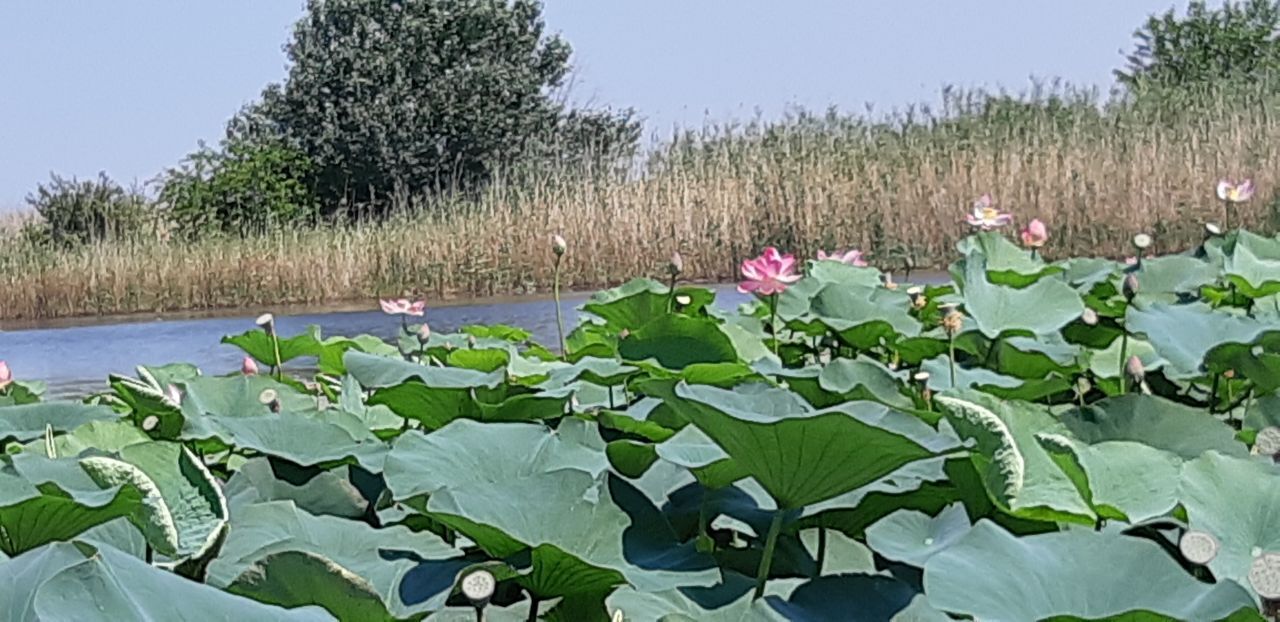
{"x":130,"y":87}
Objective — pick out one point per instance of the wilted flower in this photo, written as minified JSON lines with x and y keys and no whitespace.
{"x":6,"y":375}
{"x":770,"y":273}
{"x":953,"y":322}
{"x":918,"y":299}
{"x":1232,"y":192}
{"x":985,"y":216}
{"x":248,"y":366}
{"x":887,"y":280}
{"x":676,"y":265}
{"x":558,"y":245}
{"x":403,"y":306}
{"x":852,"y":257}
{"x":1034,"y":235}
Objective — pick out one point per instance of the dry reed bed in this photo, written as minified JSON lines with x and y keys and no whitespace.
{"x":806,"y":184}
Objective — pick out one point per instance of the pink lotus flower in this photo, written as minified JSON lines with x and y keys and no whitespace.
{"x":6,"y":375}
{"x":1034,"y":235}
{"x":403,"y":306}
{"x":851,"y":257}
{"x":770,"y":273}
{"x":985,"y":216}
{"x":249,"y":367}
{"x":1232,"y":192}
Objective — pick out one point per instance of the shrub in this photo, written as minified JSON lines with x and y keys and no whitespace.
{"x":74,"y":212}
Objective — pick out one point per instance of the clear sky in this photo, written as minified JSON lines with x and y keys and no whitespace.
{"x":128,"y":87}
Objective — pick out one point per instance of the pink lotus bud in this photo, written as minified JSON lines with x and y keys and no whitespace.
{"x":1034,"y":235}
{"x":558,"y":245}
{"x":249,"y":367}
{"x":1134,"y":368}
{"x":6,"y":376}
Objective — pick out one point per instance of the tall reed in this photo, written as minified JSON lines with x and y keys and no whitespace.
{"x":898,"y":186}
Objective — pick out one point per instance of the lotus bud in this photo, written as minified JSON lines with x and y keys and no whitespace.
{"x":1130,"y":286}
{"x":248,"y":366}
{"x":1083,"y":386}
{"x":953,"y":322}
{"x":424,"y":334}
{"x":267,"y":322}
{"x":1142,"y":242}
{"x":1089,"y":317}
{"x":676,"y":265}
{"x":1264,"y":575}
{"x":1135,"y":369}
{"x":270,"y":399}
{"x":1230,"y":374}
{"x":6,"y":375}
{"x":1198,"y":547}
{"x":558,"y":245}
{"x":1267,"y":442}
{"x":471,"y":341}
{"x":478,"y":587}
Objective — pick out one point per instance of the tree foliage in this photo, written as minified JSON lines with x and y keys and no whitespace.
{"x":75,"y":212}
{"x":1235,"y":41}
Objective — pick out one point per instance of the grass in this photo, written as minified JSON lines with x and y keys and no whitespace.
{"x":898,"y":187}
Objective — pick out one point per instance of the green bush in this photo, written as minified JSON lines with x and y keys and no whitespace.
{"x":1235,"y":41}
{"x":74,"y":212}
{"x":244,"y":188}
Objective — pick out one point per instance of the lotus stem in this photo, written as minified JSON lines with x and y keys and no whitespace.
{"x":1124,"y":358}
{"x":703,"y":537}
{"x":555,"y":290}
{"x":770,"y":543}
{"x":951,"y":359}
{"x":1213,"y":393}
{"x":671,"y":295}
{"x":148,"y":554}
{"x":822,"y":548}
{"x":275,"y":346}
{"x":533,"y":608}
{"x":773,"y":321}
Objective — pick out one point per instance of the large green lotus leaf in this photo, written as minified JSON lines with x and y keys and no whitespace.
{"x":1166,"y":279}
{"x":863,"y":316}
{"x":727,"y":602}
{"x":184,"y":511}
{"x":77,"y":581}
{"x":1237,"y":500}
{"x":332,"y":350}
{"x":304,"y":440}
{"x":802,"y":456}
{"x":851,"y":597}
{"x":640,"y":301}
{"x":1085,"y":273}
{"x":108,"y":436}
{"x":1034,"y":358}
{"x":1041,"y":308}
{"x":920,"y":485}
{"x":692,"y":449}
{"x":328,"y":493}
{"x":43,"y":500}
{"x":469,"y":453}
{"x":677,"y":341}
{"x":1155,"y":421}
{"x":376,"y":418}
{"x":1019,"y":475}
{"x":430,"y":406}
{"x":1105,"y":474}
{"x":1184,"y":334}
{"x":26,"y":422}
{"x":988,"y":381}
{"x":1263,"y":412}
{"x":1254,"y":265}
{"x":379,"y":371}
{"x":863,"y":378}
{"x":238,"y":396}
{"x":585,"y":533}
{"x":258,"y":344}
{"x":992,"y":575}
{"x":1005,"y":262}
{"x":409,"y":572}
{"x":913,"y":537}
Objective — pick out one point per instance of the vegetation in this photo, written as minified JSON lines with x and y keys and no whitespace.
{"x":75,"y":213}
{"x":1236,"y":41}
{"x":842,"y":444}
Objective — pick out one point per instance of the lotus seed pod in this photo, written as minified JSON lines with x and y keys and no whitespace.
{"x":1134,"y":368}
{"x":1212,"y":229}
{"x":1199,"y":547}
{"x":617,"y":616}
{"x":921,"y":376}
{"x":558,"y":245}
{"x":676,"y":265}
{"x":1130,"y":286}
{"x":270,"y":399}
{"x":478,"y":586}
{"x":915,"y":290}
{"x":1089,"y":317}
{"x":1142,"y":241}
{"x":150,"y":423}
{"x":1268,"y":442}
{"x":266,"y":322}
{"x":683,"y":300}
{"x":1264,"y":575}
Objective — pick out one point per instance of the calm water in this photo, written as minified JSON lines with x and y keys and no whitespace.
{"x":75,"y":360}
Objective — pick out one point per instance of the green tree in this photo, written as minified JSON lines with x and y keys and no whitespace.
{"x":74,"y":212}
{"x":1236,"y":41}
{"x":392,"y":99}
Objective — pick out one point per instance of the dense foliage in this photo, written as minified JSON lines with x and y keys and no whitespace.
{"x":1237,"y":40}
{"x":1083,"y":439}
{"x":75,"y":212}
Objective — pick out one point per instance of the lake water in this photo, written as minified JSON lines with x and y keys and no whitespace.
{"x":75,"y":360}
